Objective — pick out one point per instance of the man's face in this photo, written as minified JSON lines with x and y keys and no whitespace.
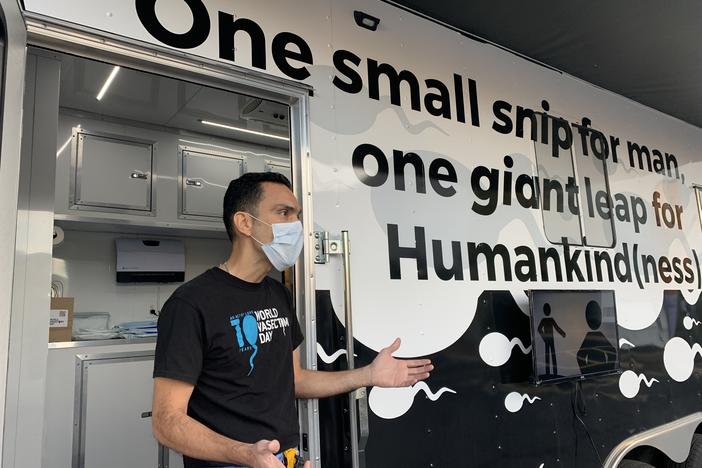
{"x":278,"y":205}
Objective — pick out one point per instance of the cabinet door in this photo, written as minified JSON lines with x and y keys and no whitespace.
{"x":116,"y":425}
{"x":205,"y":180}
{"x":112,"y":173}
{"x":280,"y":168}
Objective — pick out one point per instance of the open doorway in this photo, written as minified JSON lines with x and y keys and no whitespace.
{"x":117,"y":157}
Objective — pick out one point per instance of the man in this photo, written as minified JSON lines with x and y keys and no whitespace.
{"x":545,"y":329}
{"x":227,"y":367}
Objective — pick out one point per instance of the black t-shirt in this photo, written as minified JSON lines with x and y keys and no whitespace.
{"x":233,"y":340}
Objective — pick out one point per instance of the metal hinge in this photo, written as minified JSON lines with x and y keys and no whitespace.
{"x":324,"y":247}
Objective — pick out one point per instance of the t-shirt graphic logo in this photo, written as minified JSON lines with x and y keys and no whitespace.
{"x":246,"y":327}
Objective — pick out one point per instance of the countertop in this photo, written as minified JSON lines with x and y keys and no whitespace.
{"x":86,"y":343}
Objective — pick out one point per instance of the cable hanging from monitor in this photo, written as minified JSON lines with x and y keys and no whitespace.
{"x":578,"y":406}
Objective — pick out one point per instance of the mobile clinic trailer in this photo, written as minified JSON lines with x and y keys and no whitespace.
{"x":451,"y":190}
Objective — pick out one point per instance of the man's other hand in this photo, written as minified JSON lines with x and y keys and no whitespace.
{"x":263,"y":454}
{"x":387,"y":371}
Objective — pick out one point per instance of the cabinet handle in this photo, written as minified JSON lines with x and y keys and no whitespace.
{"x":193,"y":182}
{"x":139,"y":175}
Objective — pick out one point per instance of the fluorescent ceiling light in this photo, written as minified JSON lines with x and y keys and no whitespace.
{"x":107,"y":84}
{"x":243,"y":130}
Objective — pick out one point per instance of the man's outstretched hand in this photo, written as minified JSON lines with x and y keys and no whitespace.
{"x":264,"y":455}
{"x":387,"y":371}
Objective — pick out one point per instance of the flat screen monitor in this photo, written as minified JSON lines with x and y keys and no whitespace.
{"x":574,"y":335}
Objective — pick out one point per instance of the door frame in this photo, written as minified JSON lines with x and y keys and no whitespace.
{"x":10,"y":143}
{"x":74,"y":39}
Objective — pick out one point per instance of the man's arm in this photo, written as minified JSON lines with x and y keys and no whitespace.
{"x":384,"y":371}
{"x":560,"y":331}
{"x":173,"y":428}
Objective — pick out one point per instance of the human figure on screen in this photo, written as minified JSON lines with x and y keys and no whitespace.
{"x":596,"y":354}
{"x":545,"y":329}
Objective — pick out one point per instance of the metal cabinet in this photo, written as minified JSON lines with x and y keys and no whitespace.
{"x":279,"y":166}
{"x":205,"y":176}
{"x":111,"y":172}
{"x":113,"y":428}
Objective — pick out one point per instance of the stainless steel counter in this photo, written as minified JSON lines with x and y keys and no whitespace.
{"x":113,"y":342}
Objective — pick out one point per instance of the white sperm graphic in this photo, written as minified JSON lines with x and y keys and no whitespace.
{"x":689,"y":322}
{"x":630,"y":383}
{"x":515,"y":400}
{"x":327,"y":358}
{"x":391,"y":403}
{"x":495,"y":348}
{"x":624,"y":341}
{"x":679,"y":358}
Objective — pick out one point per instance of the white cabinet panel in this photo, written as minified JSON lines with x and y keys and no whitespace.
{"x":205,"y":179}
{"x":280,"y":168}
{"x":116,"y":420}
{"x":112,"y":172}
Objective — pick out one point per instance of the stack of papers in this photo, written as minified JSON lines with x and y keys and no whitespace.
{"x":138,"y":329}
{"x":93,"y":326}
{"x":95,"y":334}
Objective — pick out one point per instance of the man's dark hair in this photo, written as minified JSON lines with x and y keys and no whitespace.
{"x":244,"y":194}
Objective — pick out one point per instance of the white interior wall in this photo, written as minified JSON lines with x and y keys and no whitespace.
{"x":85,"y":263}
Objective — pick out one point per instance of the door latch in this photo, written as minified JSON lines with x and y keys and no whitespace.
{"x":324,"y":247}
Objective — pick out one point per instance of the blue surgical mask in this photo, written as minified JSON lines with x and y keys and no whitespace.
{"x":286,"y":245}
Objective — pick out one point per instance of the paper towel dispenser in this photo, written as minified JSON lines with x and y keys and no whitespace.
{"x":150,"y":261}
